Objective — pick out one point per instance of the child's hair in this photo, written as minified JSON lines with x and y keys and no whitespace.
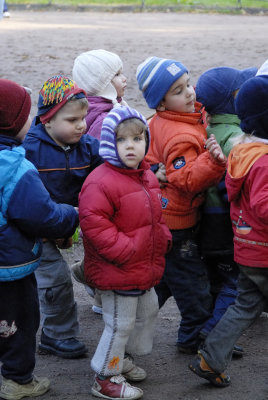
{"x":251,"y":105}
{"x":139,"y":125}
{"x":216,"y":88}
{"x":94,"y":70}
{"x":155,"y":76}
{"x":15,"y":107}
{"x":119,"y":115}
{"x":82,"y":101}
{"x":55,"y":93}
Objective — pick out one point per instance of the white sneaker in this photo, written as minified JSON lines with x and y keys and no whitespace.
{"x":115,"y":387}
{"x":131,"y":372}
{"x":12,"y":390}
{"x":6,"y":14}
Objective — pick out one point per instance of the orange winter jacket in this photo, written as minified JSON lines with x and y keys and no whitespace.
{"x":177,"y":141}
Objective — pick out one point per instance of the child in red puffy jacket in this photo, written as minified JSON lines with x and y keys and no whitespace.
{"x":125,"y":241}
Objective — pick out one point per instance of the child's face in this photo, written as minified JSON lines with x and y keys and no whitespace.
{"x":131,"y":145}
{"x":180,"y":97}
{"x":68,"y":125}
{"x":120,"y":83}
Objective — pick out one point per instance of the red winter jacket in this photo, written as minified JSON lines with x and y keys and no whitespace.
{"x":247,"y":187}
{"x":125,"y":237}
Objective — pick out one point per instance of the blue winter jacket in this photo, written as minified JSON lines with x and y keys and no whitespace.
{"x":62,"y":171}
{"x":27,"y":213}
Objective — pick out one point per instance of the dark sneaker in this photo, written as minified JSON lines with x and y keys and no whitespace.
{"x":12,"y":390}
{"x":65,"y":348}
{"x":187,"y":350}
{"x":202,"y":369}
{"x":131,"y":371}
{"x":115,"y":387}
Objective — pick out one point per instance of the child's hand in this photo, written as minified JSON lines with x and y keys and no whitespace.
{"x":214,"y":149}
{"x":161,"y":174}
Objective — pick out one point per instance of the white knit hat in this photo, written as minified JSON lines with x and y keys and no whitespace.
{"x":94,"y":70}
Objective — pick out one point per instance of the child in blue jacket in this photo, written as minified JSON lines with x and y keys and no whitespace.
{"x":64,"y":156}
{"x":27,"y":214}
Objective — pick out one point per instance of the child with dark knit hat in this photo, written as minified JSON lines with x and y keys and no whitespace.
{"x":216,"y":89}
{"x":27,"y":214}
{"x":193,"y":164}
{"x":64,"y":157}
{"x":247,"y":188}
{"x":125,"y":241}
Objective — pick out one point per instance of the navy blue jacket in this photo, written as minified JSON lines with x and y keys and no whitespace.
{"x":62,"y":171}
{"x":27,"y":213}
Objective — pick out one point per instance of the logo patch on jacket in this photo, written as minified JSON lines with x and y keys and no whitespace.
{"x":164,"y":202}
{"x":179,"y":162}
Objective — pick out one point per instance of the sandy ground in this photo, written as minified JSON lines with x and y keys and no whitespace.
{"x":36,"y":45}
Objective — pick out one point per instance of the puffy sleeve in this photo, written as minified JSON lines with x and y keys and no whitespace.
{"x":32,"y":210}
{"x":96,"y":211}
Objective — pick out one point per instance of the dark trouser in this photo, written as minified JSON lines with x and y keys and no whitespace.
{"x":223,"y":275}
{"x":19,"y":322}
{"x":186,"y":279}
{"x":251,"y":301}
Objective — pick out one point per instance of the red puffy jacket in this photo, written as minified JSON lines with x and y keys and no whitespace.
{"x":125,"y":237}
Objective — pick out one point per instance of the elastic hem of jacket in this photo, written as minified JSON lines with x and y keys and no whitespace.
{"x":16,"y":272}
{"x":181,"y":222}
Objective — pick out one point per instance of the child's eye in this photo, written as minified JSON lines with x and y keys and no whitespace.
{"x":120,"y":139}
{"x":138,"y":138}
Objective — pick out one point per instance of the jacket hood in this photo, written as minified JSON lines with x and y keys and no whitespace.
{"x":97,"y":106}
{"x":10,"y":162}
{"x":108,"y":148}
{"x":240,"y":161}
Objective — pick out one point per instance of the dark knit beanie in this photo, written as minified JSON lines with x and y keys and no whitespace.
{"x":15,"y":107}
{"x":108,"y":148}
{"x":251,"y":106}
{"x":54,"y":94}
{"x":215,"y":88}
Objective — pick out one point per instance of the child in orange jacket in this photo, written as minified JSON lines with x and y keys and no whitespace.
{"x":193,"y":164}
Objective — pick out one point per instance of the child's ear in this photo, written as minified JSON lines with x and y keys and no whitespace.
{"x":47,"y":126}
{"x":161,"y":106}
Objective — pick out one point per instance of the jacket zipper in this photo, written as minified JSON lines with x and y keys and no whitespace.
{"x":150,"y":202}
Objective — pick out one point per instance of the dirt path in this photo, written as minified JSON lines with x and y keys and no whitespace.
{"x":36,"y":45}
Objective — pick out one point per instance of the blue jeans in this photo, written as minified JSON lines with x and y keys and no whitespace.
{"x":185,"y":278}
{"x":223,"y":275}
{"x":250,"y":302}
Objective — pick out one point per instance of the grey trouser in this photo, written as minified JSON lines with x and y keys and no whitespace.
{"x":57,"y":305}
{"x":251,"y":301}
{"x":129,"y":328}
